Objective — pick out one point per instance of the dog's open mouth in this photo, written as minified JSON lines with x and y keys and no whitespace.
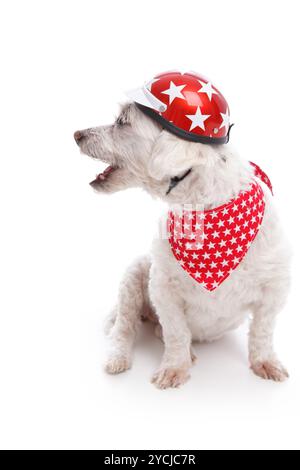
{"x":104,"y":175}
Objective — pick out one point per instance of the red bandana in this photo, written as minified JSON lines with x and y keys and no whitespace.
{"x":209,"y":245}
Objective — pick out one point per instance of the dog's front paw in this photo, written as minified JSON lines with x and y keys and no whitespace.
{"x":270,"y":370}
{"x":170,"y":377}
{"x":117,"y":364}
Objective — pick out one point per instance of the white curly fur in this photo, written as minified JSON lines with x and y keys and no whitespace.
{"x":157,"y":287}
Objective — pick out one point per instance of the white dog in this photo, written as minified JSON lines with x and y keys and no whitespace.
{"x":141,"y":154}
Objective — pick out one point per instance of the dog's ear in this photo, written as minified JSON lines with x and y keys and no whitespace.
{"x":171,"y":156}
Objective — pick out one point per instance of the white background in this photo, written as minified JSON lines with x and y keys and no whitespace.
{"x":64,"y":66}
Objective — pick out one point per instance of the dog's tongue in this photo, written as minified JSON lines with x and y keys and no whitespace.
{"x":105,"y":173}
{"x":102,"y":176}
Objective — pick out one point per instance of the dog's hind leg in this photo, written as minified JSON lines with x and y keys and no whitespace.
{"x":133,"y":302}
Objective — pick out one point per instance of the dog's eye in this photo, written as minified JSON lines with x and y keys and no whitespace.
{"x":120,"y":121}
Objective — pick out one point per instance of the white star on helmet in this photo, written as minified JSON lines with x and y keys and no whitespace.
{"x":208,"y":89}
{"x":174,"y":92}
{"x":226,"y":120}
{"x":198,"y":119}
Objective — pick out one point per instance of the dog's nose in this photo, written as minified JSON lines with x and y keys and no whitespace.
{"x":78,"y":135}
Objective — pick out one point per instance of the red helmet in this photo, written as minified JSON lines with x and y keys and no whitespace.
{"x":186,"y":104}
